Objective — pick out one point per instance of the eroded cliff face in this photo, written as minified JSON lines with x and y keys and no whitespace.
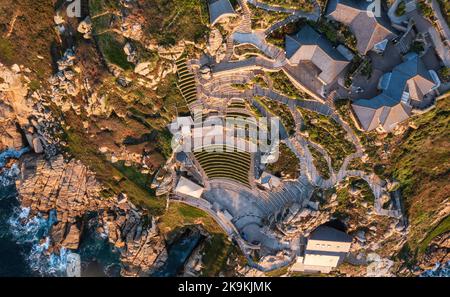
{"x":70,"y":188}
{"x":17,"y":111}
{"x":47,"y":182}
{"x":437,"y":252}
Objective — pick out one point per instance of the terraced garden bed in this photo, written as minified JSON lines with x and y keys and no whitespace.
{"x":282,"y":84}
{"x":320,"y":163}
{"x":329,"y":134}
{"x":262,"y":19}
{"x":280,"y":110}
{"x":304,"y":5}
{"x":287,"y":164}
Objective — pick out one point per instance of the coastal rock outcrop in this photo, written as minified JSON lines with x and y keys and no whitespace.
{"x":71,"y":189}
{"x":142,"y":248}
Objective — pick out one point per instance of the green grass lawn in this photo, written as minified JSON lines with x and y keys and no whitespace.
{"x":111,"y":46}
{"x":442,"y":227}
{"x":217,"y":250}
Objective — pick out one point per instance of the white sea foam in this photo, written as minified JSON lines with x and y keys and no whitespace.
{"x":35,"y":232}
{"x":439,"y":270}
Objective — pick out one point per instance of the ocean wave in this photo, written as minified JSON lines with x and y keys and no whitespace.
{"x":11,"y":153}
{"x":439,"y":270}
{"x":35,"y":231}
{"x":9,"y":176}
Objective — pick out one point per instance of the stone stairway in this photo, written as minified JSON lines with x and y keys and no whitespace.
{"x":246,"y":24}
{"x":291,"y":192}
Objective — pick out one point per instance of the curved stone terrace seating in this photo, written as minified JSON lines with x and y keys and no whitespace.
{"x":232,"y":165}
{"x":186,"y":81}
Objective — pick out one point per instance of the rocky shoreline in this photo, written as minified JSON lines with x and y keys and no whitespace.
{"x":48,"y":182}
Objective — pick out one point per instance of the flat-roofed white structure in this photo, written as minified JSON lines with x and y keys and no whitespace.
{"x":189,"y":188}
{"x":325,"y":250}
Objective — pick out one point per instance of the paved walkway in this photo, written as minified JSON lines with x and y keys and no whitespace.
{"x":252,"y":208}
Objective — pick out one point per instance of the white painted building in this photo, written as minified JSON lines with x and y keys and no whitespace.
{"x":325,"y":250}
{"x":189,"y":188}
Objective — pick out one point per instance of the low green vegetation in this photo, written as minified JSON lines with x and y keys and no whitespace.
{"x":111,"y":46}
{"x":441,"y":228}
{"x":34,"y":85}
{"x":444,"y":74}
{"x":401,"y":9}
{"x":304,"y":5}
{"x":172,"y":21}
{"x":325,"y":131}
{"x":445,"y":10}
{"x":277,"y":37}
{"x":116,"y":179}
{"x":6,"y":51}
{"x":364,"y":188}
{"x":278,"y":272}
{"x":280,"y":110}
{"x":259,"y":80}
{"x":287,"y":164}
{"x":354,"y":65}
{"x":282,"y":84}
{"x":320,"y":162}
{"x":421,"y":162}
{"x":247,"y":50}
{"x":31,"y":40}
{"x":417,"y":47}
{"x":366,"y":69}
{"x":182,"y":215}
{"x":336,"y":33}
{"x":262,"y":19}
{"x":367,"y":139}
{"x":133,"y":173}
{"x":351,"y":204}
{"x":217,"y":249}
{"x":425,"y":9}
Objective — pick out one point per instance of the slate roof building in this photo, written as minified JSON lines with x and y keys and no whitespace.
{"x":220,"y":9}
{"x":309,"y":45}
{"x":369,"y":22}
{"x":401,"y":90}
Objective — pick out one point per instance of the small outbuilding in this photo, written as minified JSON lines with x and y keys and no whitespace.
{"x":326,"y":248}
{"x":188,"y":188}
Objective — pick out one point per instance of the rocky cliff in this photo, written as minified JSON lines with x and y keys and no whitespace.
{"x":71,"y":189}
{"x":47,"y":182}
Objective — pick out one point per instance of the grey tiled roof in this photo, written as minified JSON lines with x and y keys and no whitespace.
{"x":308,"y":36}
{"x":219,"y":8}
{"x":308,"y":45}
{"x":369,"y":30}
{"x":326,"y":233}
{"x":387,"y":107}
